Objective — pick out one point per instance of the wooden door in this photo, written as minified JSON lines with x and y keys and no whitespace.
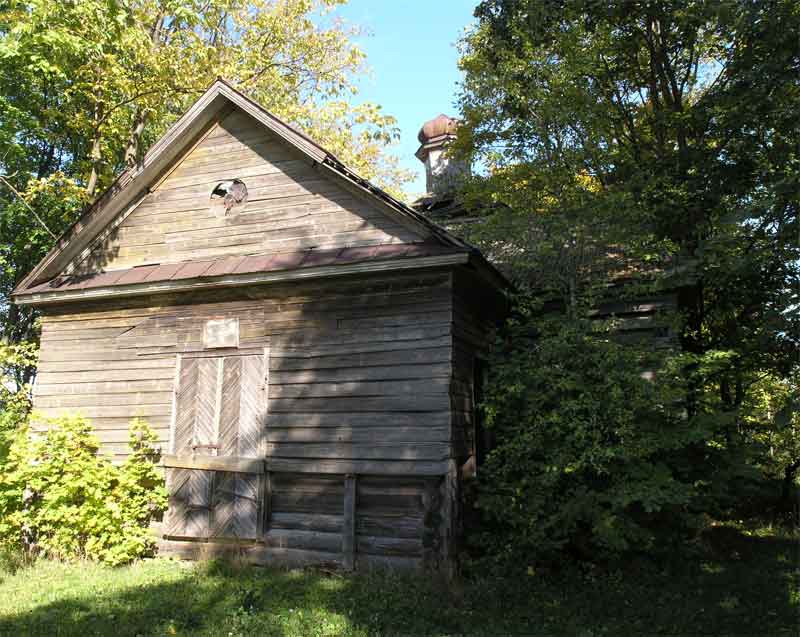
{"x":215,"y":473}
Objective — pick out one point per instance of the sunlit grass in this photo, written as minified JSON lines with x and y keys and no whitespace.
{"x":732,"y":583}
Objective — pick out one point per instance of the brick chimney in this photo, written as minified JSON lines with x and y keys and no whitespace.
{"x":442,"y":173}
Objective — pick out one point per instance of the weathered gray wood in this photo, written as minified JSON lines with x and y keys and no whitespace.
{"x":351,"y":370}
{"x":298,"y":501}
{"x":302,"y":539}
{"x":190,"y":494}
{"x":388,"y":546}
{"x":399,"y":525}
{"x":356,"y":451}
{"x":378,"y":420}
{"x":307,"y":522}
{"x":252,"y":405}
{"x":266,"y":503}
{"x":236,"y":464}
{"x":431,"y":386}
{"x":349,"y":522}
{"x":274,"y":176}
{"x":229,"y":416}
{"x":384,"y":467}
{"x":251,"y":553}
{"x":377,"y":433}
{"x":348,"y":404}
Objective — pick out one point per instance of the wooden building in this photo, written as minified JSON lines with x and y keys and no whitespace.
{"x":304,"y":344}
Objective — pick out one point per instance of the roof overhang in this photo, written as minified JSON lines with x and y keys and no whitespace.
{"x":239,"y":280}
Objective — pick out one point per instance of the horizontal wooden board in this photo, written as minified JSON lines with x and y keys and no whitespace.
{"x":358,"y":434}
{"x":400,"y":525}
{"x":381,"y":404}
{"x":233,"y":464}
{"x":377,"y":419}
{"x":302,"y":539}
{"x":320,"y":522}
{"x":365,"y":467}
{"x":388,"y":546}
{"x":432,"y":386}
{"x":406,"y":450}
{"x":251,"y":553}
{"x":160,"y":229}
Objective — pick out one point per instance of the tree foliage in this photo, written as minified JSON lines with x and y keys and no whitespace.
{"x":586,"y":454}
{"x":642,"y":147}
{"x":88,"y":85}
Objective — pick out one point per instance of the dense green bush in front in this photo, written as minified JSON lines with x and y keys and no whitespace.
{"x":59,"y":497}
{"x":594,"y":456}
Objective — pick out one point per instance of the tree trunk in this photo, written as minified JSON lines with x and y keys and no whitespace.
{"x":132,"y":150}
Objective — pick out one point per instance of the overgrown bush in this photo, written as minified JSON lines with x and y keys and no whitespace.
{"x":61,"y":498}
{"x":592,"y":454}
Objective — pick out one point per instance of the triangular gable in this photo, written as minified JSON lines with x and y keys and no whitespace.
{"x":279,"y":203}
{"x":140,"y":184}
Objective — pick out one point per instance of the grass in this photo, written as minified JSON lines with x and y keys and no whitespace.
{"x":735,"y":582}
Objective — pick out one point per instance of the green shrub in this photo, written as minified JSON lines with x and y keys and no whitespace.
{"x":60,"y":498}
{"x":16,"y":361}
{"x":591,"y":457}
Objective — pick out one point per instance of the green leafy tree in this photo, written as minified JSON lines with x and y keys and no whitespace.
{"x":655,"y":144}
{"x":15,"y":400}
{"x":88,"y":85}
{"x":591,"y":454}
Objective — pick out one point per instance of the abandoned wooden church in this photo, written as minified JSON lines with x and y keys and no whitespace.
{"x":305,"y":345}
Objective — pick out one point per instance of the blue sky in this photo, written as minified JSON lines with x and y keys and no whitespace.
{"x":411,"y":51}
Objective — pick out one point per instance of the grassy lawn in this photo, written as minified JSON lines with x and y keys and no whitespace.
{"x":734,"y":582}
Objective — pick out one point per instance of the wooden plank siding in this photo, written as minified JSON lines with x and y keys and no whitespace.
{"x":290,"y":206}
{"x":358,"y":384}
{"x":312,"y":407}
{"x":359,"y":371}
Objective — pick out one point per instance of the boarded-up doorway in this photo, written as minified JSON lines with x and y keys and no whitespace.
{"x":215,"y":473}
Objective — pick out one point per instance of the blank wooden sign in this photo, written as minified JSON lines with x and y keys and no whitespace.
{"x":221,"y":333}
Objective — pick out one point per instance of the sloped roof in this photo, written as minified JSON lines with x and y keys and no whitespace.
{"x":244,"y":270}
{"x":134,"y":182}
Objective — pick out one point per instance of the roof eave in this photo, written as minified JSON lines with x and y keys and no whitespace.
{"x":239,"y":280}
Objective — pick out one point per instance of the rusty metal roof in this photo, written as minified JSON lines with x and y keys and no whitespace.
{"x":250,"y":264}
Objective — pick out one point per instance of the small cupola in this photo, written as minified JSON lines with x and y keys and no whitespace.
{"x":442,"y":173}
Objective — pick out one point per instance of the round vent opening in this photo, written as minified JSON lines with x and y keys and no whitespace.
{"x":228,"y":197}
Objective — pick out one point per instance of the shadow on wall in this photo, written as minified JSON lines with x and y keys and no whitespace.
{"x":103,"y":253}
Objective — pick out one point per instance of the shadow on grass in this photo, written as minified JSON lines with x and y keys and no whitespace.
{"x":730,"y":584}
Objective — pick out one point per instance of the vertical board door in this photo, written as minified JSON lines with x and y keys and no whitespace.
{"x":215,"y":473}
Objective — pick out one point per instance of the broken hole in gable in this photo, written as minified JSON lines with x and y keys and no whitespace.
{"x":228,"y":197}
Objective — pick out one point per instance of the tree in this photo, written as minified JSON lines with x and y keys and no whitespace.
{"x":653,"y":139}
{"x":88,"y":85}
